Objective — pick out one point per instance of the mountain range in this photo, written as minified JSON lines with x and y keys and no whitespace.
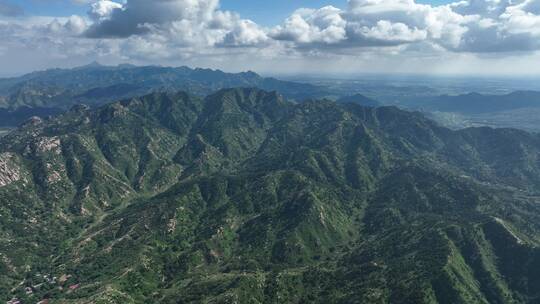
{"x":520,"y":109}
{"x":56,"y":90}
{"x":361,"y":100}
{"x":475,"y":103}
{"x":244,"y":197}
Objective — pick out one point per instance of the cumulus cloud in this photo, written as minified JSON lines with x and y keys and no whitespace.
{"x":102,"y":10}
{"x":465,"y":26}
{"x":386,"y":32}
{"x":181,"y":22}
{"x":371,"y":23}
{"x":477,"y":26}
{"x":164,"y":30}
{"x":245,"y":33}
{"x":324,"y":25}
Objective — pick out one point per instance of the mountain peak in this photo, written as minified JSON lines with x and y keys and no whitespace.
{"x":360,"y":100}
{"x":92,"y":65}
{"x":333,"y":199}
{"x":250,"y":74}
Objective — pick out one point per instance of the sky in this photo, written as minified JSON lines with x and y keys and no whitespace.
{"x":264,"y":12}
{"x":338,"y":37}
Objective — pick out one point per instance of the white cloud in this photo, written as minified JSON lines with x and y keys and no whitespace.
{"x":523,"y":18}
{"x":161,"y":31}
{"x":102,"y":10}
{"x":180,"y":23}
{"x":388,"y":32}
{"x":324,"y":25}
{"x":245,"y":33}
{"x":476,"y":26}
{"x":374,"y":23}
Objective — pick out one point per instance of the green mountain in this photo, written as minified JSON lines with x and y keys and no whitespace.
{"x":11,"y":118}
{"x":244,"y":197}
{"x":56,"y":90}
{"x":360,"y":100}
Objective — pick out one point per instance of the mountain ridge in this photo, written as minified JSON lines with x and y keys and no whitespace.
{"x":56,"y":90}
{"x":244,"y":196}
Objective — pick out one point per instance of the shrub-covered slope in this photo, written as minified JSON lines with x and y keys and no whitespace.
{"x":242,"y":197}
{"x":96,"y":84}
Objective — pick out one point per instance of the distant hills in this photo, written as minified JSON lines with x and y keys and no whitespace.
{"x":244,"y":197}
{"x":360,"y":100}
{"x":475,"y":103}
{"x":58,"y":89}
{"x":54,"y":91}
{"x":11,"y":118}
{"x":520,"y":109}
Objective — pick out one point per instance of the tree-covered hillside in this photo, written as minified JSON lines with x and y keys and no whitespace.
{"x":96,"y":84}
{"x":244,"y":197}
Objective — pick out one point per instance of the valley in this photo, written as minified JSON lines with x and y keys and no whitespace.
{"x":453,"y":102}
{"x":269,"y":152}
{"x":527,"y":119}
{"x":245,"y":196}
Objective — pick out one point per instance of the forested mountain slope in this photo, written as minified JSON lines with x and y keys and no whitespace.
{"x":244,"y":197}
{"x":96,"y":84}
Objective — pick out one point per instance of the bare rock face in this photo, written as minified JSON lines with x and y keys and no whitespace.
{"x":54,"y":175}
{"x":33,"y":121}
{"x":47,"y":144}
{"x":9,"y":170}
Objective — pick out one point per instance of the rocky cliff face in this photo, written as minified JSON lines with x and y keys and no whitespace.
{"x":9,"y":170}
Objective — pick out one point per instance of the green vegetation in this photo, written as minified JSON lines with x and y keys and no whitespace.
{"x":243,"y":197}
{"x":53,"y":91}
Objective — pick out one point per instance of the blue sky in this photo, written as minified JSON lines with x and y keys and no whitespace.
{"x":50,"y":8}
{"x":264,"y":12}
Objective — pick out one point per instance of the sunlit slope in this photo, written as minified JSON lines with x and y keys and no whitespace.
{"x":244,"y":197}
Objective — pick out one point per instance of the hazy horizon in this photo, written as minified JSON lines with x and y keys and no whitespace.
{"x":299,"y":75}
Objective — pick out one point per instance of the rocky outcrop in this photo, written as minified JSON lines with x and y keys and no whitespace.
{"x":9,"y":170}
{"x":54,"y":175}
{"x":49,"y":144}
